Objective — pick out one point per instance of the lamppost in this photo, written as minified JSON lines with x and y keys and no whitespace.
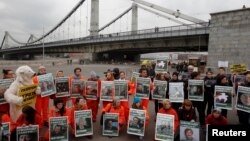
{"x":43,"y":44}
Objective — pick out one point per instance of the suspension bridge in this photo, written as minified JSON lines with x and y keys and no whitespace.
{"x":187,"y":34}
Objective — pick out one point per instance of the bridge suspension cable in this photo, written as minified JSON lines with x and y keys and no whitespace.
{"x":54,"y":28}
{"x":161,"y":15}
{"x":177,"y":14}
{"x":114,"y":20}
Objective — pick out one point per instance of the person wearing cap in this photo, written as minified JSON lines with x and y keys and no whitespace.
{"x":244,"y":117}
{"x":115,"y":107}
{"x":167,"y":109}
{"x":93,"y":103}
{"x":77,"y":76}
{"x":216,"y":118}
{"x":187,"y":112}
{"x":42,"y":103}
{"x":138,"y":105}
{"x":144,"y":73}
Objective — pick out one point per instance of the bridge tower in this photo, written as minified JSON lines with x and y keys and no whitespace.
{"x":134,"y":17}
{"x":94,"y":19}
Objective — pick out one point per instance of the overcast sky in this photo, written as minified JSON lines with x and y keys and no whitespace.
{"x":24,"y":17}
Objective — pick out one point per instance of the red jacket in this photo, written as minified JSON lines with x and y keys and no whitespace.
{"x":22,"y":121}
{"x":171,"y":111}
{"x":216,"y":121}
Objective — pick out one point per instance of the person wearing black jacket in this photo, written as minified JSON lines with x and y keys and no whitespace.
{"x":222,"y":80}
{"x":244,"y":117}
{"x":174,"y":79}
{"x":199,"y":104}
{"x":209,"y":83}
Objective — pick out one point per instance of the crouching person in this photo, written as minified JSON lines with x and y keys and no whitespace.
{"x":167,"y":109}
{"x":115,"y":107}
{"x":80,"y":104}
{"x":58,"y":110}
{"x":137,"y":104}
{"x":28,"y":117}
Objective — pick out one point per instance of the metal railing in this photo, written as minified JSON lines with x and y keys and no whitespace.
{"x":157,"y":32}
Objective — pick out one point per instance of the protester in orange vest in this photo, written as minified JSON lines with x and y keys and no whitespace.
{"x":144,"y":73}
{"x":125,"y":103}
{"x":109,"y":77}
{"x":77,"y":76}
{"x":7,"y":74}
{"x":79,"y":105}
{"x":6,"y":118}
{"x":116,"y":107}
{"x":93,"y":104}
{"x":167,"y":109}
{"x":58,"y":110}
{"x":28,"y":117}
{"x":137,"y":104}
{"x":42,"y":103}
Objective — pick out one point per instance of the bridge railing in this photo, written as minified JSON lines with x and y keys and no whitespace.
{"x":180,"y":30}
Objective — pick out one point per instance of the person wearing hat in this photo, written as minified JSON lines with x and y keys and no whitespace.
{"x":115,"y":107}
{"x":137,"y":104}
{"x":244,"y":117}
{"x":93,"y":103}
{"x":187,"y":111}
{"x":42,"y":103}
{"x":216,"y":118}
